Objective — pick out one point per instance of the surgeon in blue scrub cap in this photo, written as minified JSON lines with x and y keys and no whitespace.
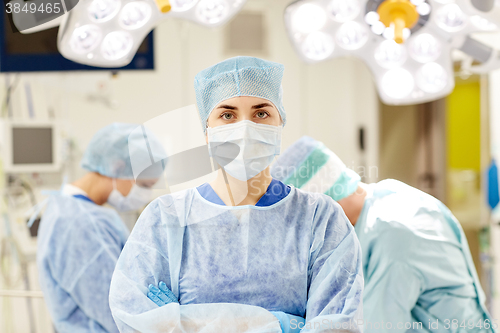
{"x":79,"y":240}
{"x":417,"y":264}
{"x":245,"y":252}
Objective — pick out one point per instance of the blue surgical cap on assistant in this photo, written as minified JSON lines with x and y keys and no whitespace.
{"x":235,"y":77}
{"x":308,"y":165}
{"x":125,"y":151}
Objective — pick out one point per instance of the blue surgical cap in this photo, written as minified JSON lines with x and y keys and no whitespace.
{"x":309,"y":165}
{"x":235,"y":77}
{"x":125,"y":151}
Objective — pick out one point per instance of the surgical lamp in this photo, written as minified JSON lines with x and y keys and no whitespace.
{"x":407,"y":44}
{"x":107,"y":33}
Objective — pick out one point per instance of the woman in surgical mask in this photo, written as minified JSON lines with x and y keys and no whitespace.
{"x":245,"y":252}
{"x":244,"y":136}
{"x":79,"y":240}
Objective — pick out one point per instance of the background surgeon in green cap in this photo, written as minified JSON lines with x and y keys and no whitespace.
{"x":416,"y":261}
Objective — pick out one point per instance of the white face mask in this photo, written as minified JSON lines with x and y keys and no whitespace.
{"x":244,"y":149}
{"x":137,"y":198}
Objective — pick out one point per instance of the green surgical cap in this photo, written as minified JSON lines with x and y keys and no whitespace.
{"x":310,"y":166}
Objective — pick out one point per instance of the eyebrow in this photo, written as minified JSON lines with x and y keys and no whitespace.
{"x":260,"y":106}
{"x":229,"y":107}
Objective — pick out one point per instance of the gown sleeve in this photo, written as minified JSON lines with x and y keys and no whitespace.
{"x":391,"y":293}
{"x":82,"y":264}
{"x":150,"y":256}
{"x":335,"y":272}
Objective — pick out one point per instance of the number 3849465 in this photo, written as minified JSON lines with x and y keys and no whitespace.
{"x":32,"y":7}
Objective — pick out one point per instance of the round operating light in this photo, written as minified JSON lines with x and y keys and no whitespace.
{"x":388,"y":32}
{"x":212,"y":11}
{"x":406,"y":33}
{"x":352,"y":36}
{"x":397,"y":83}
{"x":432,"y":78}
{"x":103,"y":10}
{"x":425,"y":48}
{"x":117,"y":45}
{"x":451,"y":18}
{"x":390,"y":54}
{"x":344,"y":10}
{"x":372,"y":17}
{"x":318,"y":46}
{"x":85,"y":38}
{"x":182,"y":5}
{"x":308,"y":18}
{"x":424,"y":9}
{"x":482,"y":23}
{"x":135,"y":14}
{"x":378,"y":28}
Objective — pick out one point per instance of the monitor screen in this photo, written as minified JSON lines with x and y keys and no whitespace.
{"x":32,"y":145}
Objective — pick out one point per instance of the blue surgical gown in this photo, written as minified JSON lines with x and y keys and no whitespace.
{"x":417,"y":264}
{"x":78,"y":245}
{"x":231,"y":266}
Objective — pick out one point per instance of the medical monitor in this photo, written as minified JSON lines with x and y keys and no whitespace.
{"x":30,"y":146}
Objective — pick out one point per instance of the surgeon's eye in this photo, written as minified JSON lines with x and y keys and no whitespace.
{"x":227,"y":116}
{"x":262,"y":114}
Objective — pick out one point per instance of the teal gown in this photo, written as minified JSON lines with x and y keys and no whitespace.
{"x":417,"y":265}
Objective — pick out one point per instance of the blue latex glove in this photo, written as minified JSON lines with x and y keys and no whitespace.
{"x":289,"y":323}
{"x":161,"y":296}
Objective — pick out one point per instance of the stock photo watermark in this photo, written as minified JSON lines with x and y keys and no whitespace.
{"x":431,"y":325}
{"x":24,"y":15}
